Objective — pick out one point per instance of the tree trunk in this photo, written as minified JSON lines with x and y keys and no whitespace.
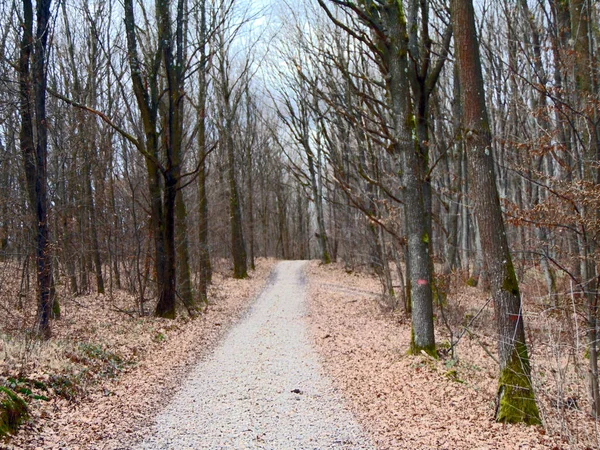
{"x":205,"y":269}
{"x":418,"y":239}
{"x":93,"y":229}
{"x":34,"y":148}
{"x":184,"y":282}
{"x":516,"y":401}
{"x":317,"y":195}
{"x":238,"y":245}
{"x":147,"y":96}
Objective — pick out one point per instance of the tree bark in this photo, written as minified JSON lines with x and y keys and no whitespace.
{"x":318,"y":199}
{"x":516,"y":401}
{"x":146,"y":93}
{"x":240,"y":267}
{"x":205,"y":268}
{"x":404,"y":147}
{"x":34,"y":148}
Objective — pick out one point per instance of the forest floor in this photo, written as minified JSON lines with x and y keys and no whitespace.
{"x":106,"y":372}
{"x":408,"y":402}
{"x":262,"y":387}
{"x":109,"y":377}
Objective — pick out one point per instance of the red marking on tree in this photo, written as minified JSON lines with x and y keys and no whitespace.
{"x":422,"y":282}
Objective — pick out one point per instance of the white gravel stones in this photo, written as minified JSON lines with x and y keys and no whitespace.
{"x":262,"y":388}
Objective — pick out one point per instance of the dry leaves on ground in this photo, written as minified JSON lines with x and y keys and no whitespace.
{"x":150,"y":358}
{"x":408,"y":402}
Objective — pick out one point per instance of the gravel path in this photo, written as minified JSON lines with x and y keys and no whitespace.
{"x":262,"y":388}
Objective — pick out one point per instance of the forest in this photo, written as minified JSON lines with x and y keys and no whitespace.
{"x":153,"y":154}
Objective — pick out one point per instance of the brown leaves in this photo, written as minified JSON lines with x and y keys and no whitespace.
{"x":117,"y":411}
{"x":413,"y":402}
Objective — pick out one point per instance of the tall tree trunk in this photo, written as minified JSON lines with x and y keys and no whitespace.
{"x":146,"y":93}
{"x":173,"y":59}
{"x":116,"y":227}
{"x":184,"y":281}
{"x":251,"y":213}
{"x":93,"y":228}
{"x":318,"y":199}
{"x":240,"y":267}
{"x":34,"y":148}
{"x":205,"y":268}
{"x":516,"y":401}
{"x":250,"y":180}
{"x":418,"y":239}
{"x":174,"y":63}
{"x":387,"y":21}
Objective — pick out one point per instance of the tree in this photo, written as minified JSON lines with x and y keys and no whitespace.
{"x":34,"y":148}
{"x":390,"y":45}
{"x":164,"y":174}
{"x":205,"y":269}
{"x":516,"y":401}
{"x":230,"y":90}
{"x":581,"y":20}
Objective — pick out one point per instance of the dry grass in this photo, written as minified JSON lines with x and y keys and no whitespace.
{"x":420,"y":403}
{"x":98,"y":381}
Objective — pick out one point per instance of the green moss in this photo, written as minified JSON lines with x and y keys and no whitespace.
{"x":401,"y":17}
{"x":472,"y":282}
{"x":13,"y":411}
{"x":425,"y":238}
{"x":56,"y":309}
{"x":64,"y":387}
{"x":415,"y":349}
{"x":102,"y":361}
{"x":452,"y":375}
{"x":510,"y":283}
{"x":440,"y":297}
{"x":516,"y":400}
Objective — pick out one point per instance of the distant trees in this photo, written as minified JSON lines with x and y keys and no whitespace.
{"x":296,"y":110}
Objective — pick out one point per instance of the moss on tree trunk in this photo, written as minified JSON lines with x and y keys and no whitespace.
{"x":516,"y":400}
{"x":13,"y":411}
{"x":416,"y":349}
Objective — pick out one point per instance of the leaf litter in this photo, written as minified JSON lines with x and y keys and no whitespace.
{"x":117,"y":370}
{"x":418,"y":402}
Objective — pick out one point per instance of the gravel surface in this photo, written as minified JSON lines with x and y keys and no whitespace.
{"x":263,"y":387}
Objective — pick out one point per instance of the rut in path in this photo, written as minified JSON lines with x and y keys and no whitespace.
{"x":262,"y":388}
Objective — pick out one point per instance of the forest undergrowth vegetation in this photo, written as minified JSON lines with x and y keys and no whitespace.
{"x":97,"y":339}
{"x":363,"y":342}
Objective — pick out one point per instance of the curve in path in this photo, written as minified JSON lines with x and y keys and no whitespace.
{"x":262,"y":388}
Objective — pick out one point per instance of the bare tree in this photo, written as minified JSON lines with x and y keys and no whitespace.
{"x":390,"y":45}
{"x":34,"y":147}
{"x":516,"y":402}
